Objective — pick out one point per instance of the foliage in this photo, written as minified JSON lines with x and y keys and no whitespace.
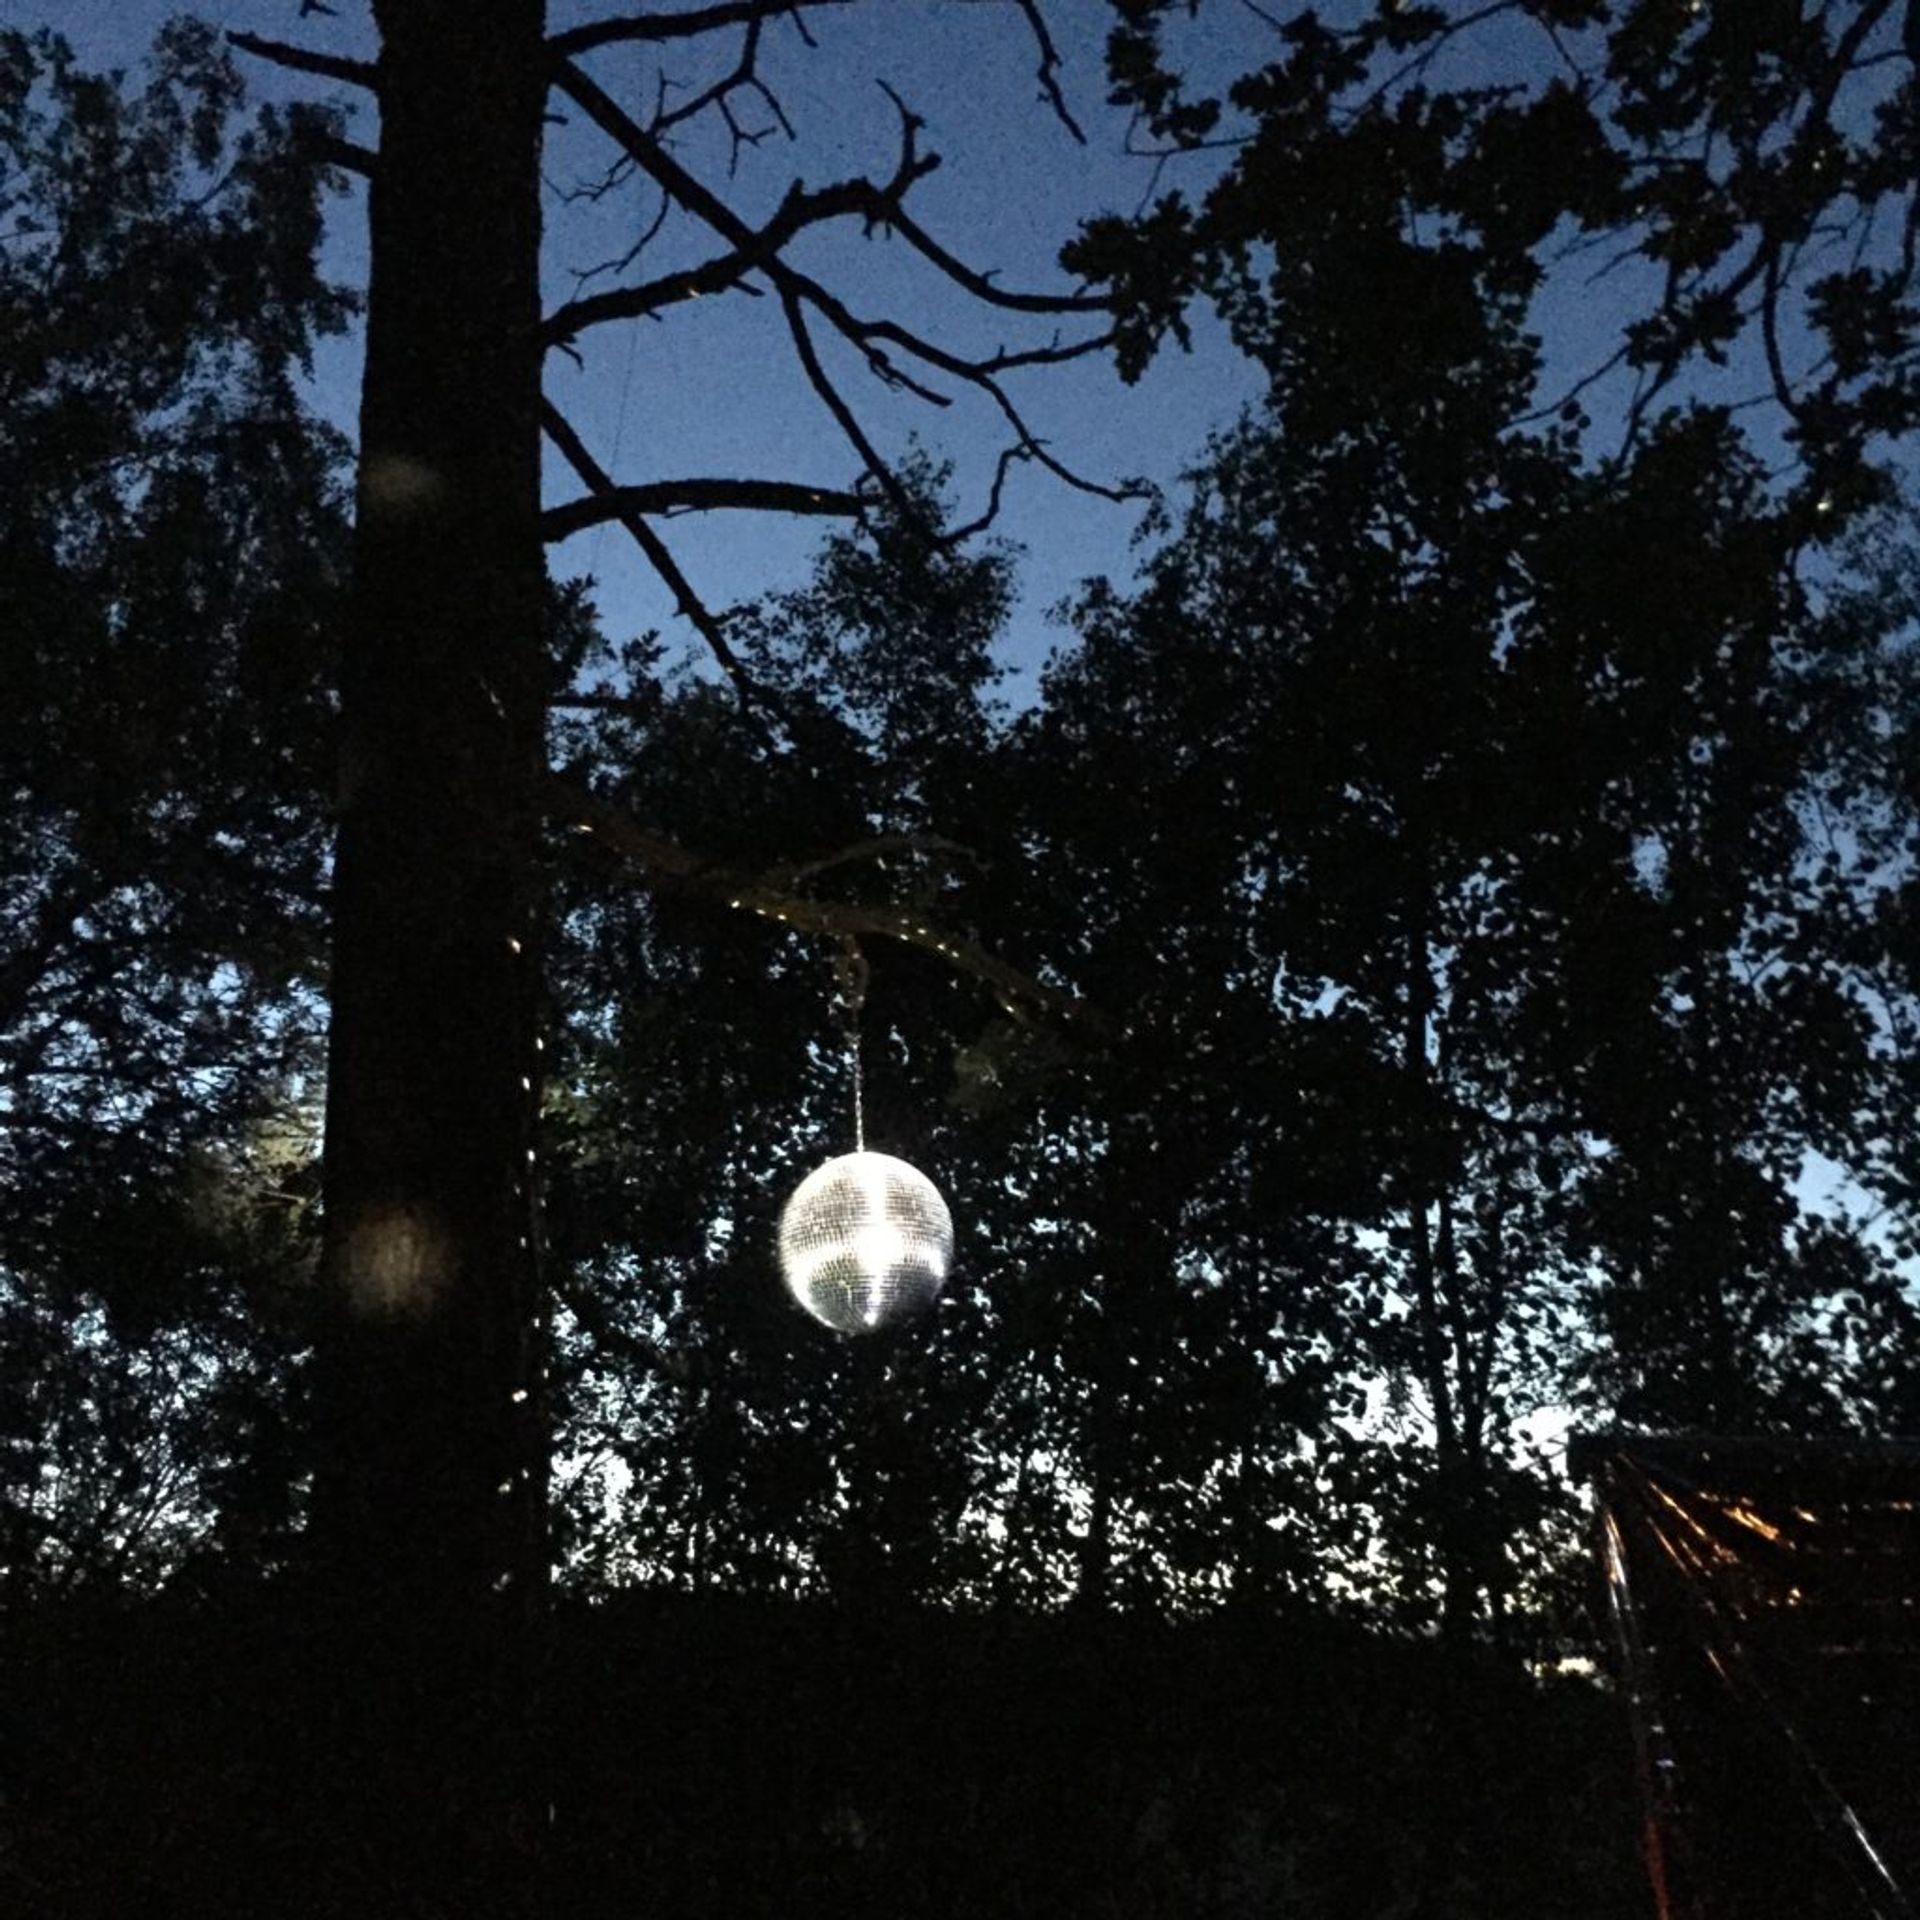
{"x":1487,"y":858}
{"x":1743,"y":171}
{"x":171,"y":544}
{"x":1437,"y":830}
{"x":1445,"y":831}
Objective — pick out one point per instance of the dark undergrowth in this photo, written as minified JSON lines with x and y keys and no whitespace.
{"x":732,"y":1758}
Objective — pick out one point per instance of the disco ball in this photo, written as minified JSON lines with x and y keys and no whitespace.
{"x":866,"y":1240}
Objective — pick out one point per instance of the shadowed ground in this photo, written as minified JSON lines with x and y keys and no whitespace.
{"x":722,"y":1758}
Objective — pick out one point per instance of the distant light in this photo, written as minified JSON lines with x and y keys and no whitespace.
{"x":865,"y":1242}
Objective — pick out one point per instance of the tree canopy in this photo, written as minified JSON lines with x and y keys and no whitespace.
{"x":1431,"y":961}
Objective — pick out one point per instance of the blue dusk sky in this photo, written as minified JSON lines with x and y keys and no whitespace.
{"x":712,"y":387}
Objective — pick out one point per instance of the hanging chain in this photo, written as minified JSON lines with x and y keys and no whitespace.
{"x":850,"y":974}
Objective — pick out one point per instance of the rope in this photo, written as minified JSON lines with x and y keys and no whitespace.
{"x":859,"y":1095}
{"x":851,"y":973}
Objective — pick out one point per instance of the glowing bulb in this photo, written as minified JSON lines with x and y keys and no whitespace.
{"x":865,"y":1241}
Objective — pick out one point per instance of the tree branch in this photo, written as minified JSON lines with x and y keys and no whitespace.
{"x":797,"y":289}
{"x":1049,"y":74}
{"x":574,"y":451}
{"x":347,"y":154}
{"x":675,"y":26}
{"x":956,"y":536}
{"x":330,"y":66}
{"x":697,"y":496}
{"x":744,"y":77}
{"x":635,"y":303}
{"x":753,"y":247}
{"x":771,"y":896}
{"x":981,"y":285}
{"x":844,"y":417}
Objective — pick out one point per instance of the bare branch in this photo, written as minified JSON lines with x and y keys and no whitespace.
{"x":991,"y":512}
{"x":635,"y":303}
{"x":1430,"y":50}
{"x":835,"y":403}
{"x":753,"y":248}
{"x":676,"y":26}
{"x":698,"y":496}
{"x":347,"y":154}
{"x":797,"y":289}
{"x":1572,"y":394}
{"x":745,"y":77}
{"x":330,"y":66}
{"x":695,"y":610}
{"x":591,"y":191}
{"x":981,"y":285}
{"x":648,"y":234}
{"x":1049,"y":69}
{"x":1770,"y":338}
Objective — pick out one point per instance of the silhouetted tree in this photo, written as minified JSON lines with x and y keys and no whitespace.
{"x":172,"y":547}
{"x":430,"y":1510}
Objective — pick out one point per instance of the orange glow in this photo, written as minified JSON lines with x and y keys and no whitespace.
{"x":1748,"y":1518}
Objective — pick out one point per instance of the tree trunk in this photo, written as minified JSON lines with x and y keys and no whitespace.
{"x":1096,"y":1544}
{"x":1425,"y":1189}
{"x":430,"y":1498}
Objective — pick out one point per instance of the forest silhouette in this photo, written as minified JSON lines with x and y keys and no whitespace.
{"x":1428,"y":967}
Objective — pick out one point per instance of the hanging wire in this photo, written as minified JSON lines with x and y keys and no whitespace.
{"x":851,"y":973}
{"x":619,"y":435}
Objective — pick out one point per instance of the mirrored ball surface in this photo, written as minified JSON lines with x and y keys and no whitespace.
{"x":865,"y":1241}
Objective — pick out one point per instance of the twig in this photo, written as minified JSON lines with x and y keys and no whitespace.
{"x":844,"y":418}
{"x":1049,"y":71}
{"x":751,"y":247}
{"x":981,"y":285}
{"x":797,"y":288}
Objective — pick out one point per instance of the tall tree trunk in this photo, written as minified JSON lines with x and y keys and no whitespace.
{"x":430,"y":1501}
{"x":1459,"y":1592}
{"x":1090,"y":1594}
